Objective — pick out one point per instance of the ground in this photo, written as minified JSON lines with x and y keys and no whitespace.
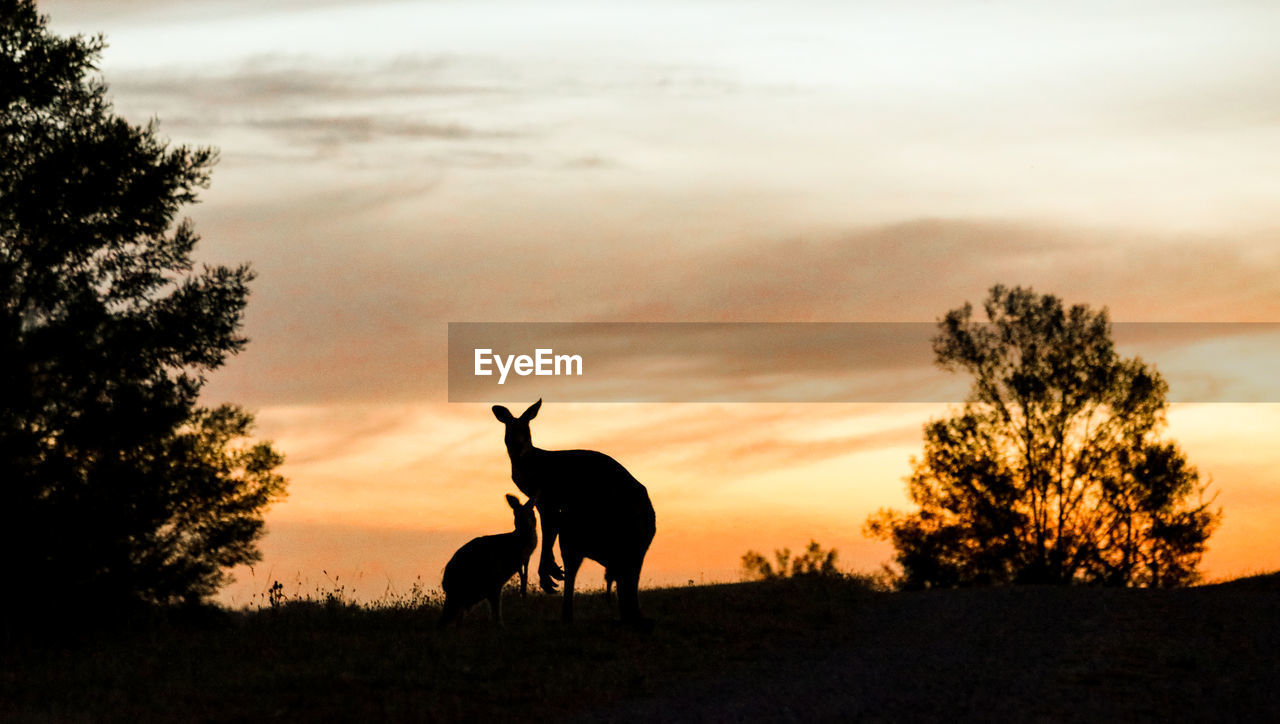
{"x":801,"y":650}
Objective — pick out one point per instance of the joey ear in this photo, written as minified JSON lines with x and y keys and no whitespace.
{"x":503,"y":414}
{"x":532,"y":412}
{"x":513,"y":501}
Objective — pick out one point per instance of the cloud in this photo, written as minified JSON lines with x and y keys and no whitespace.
{"x":95,"y":11}
{"x":337,"y":135}
{"x":378,"y":114}
{"x":332,"y":319}
{"x":760,"y":436}
{"x":916,"y":271}
{"x":354,"y":129}
{"x":590,"y":163}
{"x":783,"y":455}
{"x":282,"y":81}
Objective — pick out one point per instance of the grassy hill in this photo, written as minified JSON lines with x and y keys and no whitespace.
{"x":782,"y":650}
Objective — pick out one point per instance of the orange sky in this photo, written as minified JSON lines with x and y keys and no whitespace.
{"x":390,"y":167}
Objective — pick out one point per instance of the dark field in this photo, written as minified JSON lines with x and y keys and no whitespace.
{"x":796,"y":650}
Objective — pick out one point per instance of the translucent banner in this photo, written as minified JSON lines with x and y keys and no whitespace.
{"x":808,"y":362}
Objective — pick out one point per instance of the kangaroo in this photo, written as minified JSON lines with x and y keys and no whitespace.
{"x":481,"y":567}
{"x":588,"y":500}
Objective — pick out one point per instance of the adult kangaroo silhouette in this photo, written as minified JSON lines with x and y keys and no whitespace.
{"x":595,"y":507}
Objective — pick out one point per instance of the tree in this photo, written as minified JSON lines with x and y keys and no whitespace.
{"x":814,"y":561}
{"x":114,"y":483}
{"x":1052,"y":472}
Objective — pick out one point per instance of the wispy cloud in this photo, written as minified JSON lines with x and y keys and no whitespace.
{"x":282,"y":81}
{"x":369,"y":321}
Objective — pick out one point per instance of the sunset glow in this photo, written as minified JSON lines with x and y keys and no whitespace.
{"x":389,"y":168}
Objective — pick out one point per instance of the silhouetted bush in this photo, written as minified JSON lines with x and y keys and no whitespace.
{"x":813,"y":561}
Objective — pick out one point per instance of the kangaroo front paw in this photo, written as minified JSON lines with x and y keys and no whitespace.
{"x":548,"y":584}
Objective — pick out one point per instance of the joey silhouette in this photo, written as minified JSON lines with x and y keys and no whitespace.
{"x":480,"y":568}
{"x":590,"y":503}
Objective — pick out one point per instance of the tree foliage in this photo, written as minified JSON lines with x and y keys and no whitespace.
{"x":114,"y":482}
{"x":813,"y":561}
{"x":1052,"y":472}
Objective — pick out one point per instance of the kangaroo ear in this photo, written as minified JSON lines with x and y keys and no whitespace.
{"x":503,"y":414}
{"x":532,"y":412}
{"x":513,"y":501}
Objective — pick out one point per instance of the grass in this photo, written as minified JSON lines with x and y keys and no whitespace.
{"x":774,"y":650}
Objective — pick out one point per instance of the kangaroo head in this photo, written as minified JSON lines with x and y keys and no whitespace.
{"x":519,"y":440}
{"x":525,"y":521}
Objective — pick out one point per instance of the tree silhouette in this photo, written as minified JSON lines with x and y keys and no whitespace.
{"x":813,"y":561}
{"x":1052,"y":471}
{"x":114,"y":483}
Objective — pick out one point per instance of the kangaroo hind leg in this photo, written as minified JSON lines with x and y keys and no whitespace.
{"x":572,"y":562}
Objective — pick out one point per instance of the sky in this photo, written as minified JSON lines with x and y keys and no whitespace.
{"x":391,"y":167}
